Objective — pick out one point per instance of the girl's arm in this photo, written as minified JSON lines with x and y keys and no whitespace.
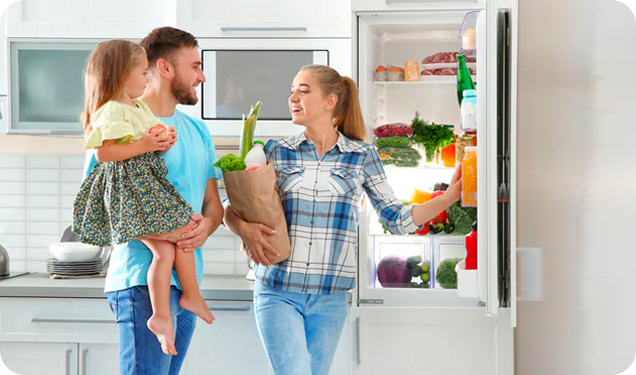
{"x":423,"y":213}
{"x":112,"y":151}
{"x":252,"y":236}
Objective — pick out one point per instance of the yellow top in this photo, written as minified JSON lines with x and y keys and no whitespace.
{"x":119,"y":121}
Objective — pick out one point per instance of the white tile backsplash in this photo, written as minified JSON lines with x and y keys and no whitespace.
{"x":12,"y":227}
{"x":43,"y":175}
{"x":72,"y":175}
{"x":42,"y":162}
{"x":43,"y":201}
{"x":36,"y":199}
{"x":12,"y":161}
{"x":12,"y":201}
{"x":12,"y":214}
{"x":73,"y":162}
{"x":35,"y":228}
{"x":12,"y":187}
{"x":43,"y":188}
{"x":42,"y":214}
{"x":12,"y":175}
{"x":69,"y":188}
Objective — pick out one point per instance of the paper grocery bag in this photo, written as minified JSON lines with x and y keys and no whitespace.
{"x":254,"y":198}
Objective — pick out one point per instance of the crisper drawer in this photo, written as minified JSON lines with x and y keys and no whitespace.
{"x":57,"y":320}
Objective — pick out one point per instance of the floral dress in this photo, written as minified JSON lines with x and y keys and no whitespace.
{"x":123,"y":200}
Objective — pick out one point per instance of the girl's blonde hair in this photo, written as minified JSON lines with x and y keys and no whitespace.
{"x":348,"y":115}
{"x":105,"y":75}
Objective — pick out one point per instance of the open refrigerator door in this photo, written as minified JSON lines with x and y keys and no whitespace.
{"x":390,"y":47}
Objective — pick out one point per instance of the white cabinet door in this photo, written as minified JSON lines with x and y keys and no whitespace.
{"x":4,"y":62}
{"x":230,"y":345}
{"x":390,"y":340}
{"x":98,"y":359}
{"x":88,"y":19}
{"x":343,"y":360}
{"x":29,"y":358}
{"x":265,"y":18}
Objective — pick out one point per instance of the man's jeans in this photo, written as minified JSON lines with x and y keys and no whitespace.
{"x":139,"y":350}
{"x":300,"y":332}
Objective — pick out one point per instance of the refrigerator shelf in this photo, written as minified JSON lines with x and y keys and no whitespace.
{"x":424,"y":80}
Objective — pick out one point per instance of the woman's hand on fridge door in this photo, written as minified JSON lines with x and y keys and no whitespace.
{"x":454,"y":191}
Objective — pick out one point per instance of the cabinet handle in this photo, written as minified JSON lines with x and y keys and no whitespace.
{"x":264,"y":29}
{"x":247,"y":308}
{"x":95,"y":321}
{"x":358,"y":356}
{"x":68,"y":362}
{"x":84,"y":355}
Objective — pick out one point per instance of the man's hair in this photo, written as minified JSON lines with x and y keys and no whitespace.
{"x":164,"y":42}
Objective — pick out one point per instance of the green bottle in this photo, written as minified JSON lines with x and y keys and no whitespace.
{"x":464,"y":80}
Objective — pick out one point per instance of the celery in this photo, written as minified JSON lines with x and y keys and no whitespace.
{"x":249,"y":124}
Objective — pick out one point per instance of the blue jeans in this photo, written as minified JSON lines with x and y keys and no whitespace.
{"x":139,"y":350}
{"x":300,"y":332}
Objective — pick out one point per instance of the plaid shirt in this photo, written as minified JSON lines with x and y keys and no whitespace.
{"x":322,"y":203}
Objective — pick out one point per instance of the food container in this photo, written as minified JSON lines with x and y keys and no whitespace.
{"x":395,"y":76}
{"x":380,"y":76}
{"x":466,"y":140}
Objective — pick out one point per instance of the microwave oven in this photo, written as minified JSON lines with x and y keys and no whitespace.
{"x":240,"y":72}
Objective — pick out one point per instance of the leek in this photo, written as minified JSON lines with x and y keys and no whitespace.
{"x":249,"y":125}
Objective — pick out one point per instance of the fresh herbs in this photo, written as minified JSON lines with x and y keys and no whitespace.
{"x":230,"y":163}
{"x":431,"y":136}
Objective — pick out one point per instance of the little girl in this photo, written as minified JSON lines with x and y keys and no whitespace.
{"x":127,"y":195}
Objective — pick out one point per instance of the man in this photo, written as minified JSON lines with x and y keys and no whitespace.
{"x":174,"y":73}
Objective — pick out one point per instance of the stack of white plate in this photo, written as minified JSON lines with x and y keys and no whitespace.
{"x":81,"y":268}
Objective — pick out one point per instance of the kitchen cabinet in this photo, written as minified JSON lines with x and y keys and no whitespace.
{"x":98,"y":359}
{"x":230,"y":345}
{"x":88,"y":19}
{"x":265,"y":18}
{"x":35,"y":358}
{"x":430,"y":340}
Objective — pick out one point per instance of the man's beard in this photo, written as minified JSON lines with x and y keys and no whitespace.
{"x":181,"y":91}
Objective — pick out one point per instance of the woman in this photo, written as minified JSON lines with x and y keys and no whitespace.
{"x":301,"y":303}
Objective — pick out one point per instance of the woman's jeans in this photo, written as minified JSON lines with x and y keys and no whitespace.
{"x":139,"y":350}
{"x":300,"y":332}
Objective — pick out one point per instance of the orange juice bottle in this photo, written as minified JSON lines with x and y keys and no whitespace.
{"x":469,"y":177}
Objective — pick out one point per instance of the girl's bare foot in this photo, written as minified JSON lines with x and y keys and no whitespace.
{"x":162,"y":328}
{"x":198,"y":306}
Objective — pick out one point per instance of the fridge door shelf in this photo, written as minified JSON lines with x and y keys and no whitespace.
{"x":466,"y":281}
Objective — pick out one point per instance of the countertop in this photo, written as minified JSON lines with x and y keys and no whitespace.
{"x":235,"y":288}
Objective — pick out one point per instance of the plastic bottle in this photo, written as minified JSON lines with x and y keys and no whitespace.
{"x":469,"y":111}
{"x":256,"y":157}
{"x":469,"y":177}
{"x":471,"y":249}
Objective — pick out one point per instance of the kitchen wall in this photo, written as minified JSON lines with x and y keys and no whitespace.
{"x":37,"y":190}
{"x":575,"y":195}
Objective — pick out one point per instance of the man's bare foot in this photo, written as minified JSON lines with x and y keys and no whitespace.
{"x":162,"y":328}
{"x":198,"y":306}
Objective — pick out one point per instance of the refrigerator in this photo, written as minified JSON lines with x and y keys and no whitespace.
{"x":434,"y":327}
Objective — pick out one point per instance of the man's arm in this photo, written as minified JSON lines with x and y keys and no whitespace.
{"x":206,"y":222}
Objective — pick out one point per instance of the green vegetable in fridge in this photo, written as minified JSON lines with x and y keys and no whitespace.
{"x":413,"y":260}
{"x":462,"y":218}
{"x":399,"y":142}
{"x":400,"y":157}
{"x":423,"y":285}
{"x":425,"y":276}
{"x":449,"y":228}
{"x":426,"y":266}
{"x":416,"y":271}
{"x":432,"y":136}
{"x":412,"y":285}
{"x":249,"y":125}
{"x":446,"y":275}
{"x":230,"y":163}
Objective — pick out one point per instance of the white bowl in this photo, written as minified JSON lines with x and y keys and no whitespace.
{"x":73,"y":251}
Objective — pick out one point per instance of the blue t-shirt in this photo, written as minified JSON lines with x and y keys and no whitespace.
{"x":190,"y":165}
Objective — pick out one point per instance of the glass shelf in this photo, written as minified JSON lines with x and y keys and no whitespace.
{"x":424,"y":80}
